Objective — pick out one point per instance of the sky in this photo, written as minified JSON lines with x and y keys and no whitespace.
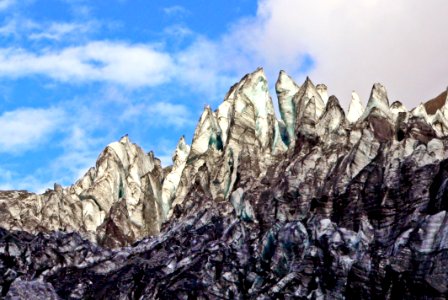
{"x":76,"y":75}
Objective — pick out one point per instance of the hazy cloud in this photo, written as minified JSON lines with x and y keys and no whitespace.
{"x":5,"y":175}
{"x":209,"y":67}
{"x":17,"y":26}
{"x":164,"y":113}
{"x":161,"y":114}
{"x":178,"y":31}
{"x":80,"y":150}
{"x":58,"y":31}
{"x":176,"y":10}
{"x":8,"y":28}
{"x":70,"y":129}
{"x":5,"y":4}
{"x":24,"y":129}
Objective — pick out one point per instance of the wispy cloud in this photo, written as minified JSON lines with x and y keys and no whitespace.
{"x":178,"y":31}
{"x":24,"y":129}
{"x":70,"y":129}
{"x":5,"y":4}
{"x":203,"y":66}
{"x":17,"y":26}
{"x":67,"y":32}
{"x":32,"y":183}
{"x":5,"y":175}
{"x":9,"y":28}
{"x":80,"y":150}
{"x":133,"y":65}
{"x":58,"y":31}
{"x":210,"y":67}
{"x":169,"y":114}
{"x":160,"y":114}
{"x":176,"y":10}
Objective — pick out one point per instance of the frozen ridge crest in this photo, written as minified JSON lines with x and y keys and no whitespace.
{"x":243,"y":128}
{"x":321,"y":203}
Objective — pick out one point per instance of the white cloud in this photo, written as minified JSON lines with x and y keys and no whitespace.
{"x":209,"y":67}
{"x":129,"y":65}
{"x":57,"y":31}
{"x":160,"y":114}
{"x":30,"y":183}
{"x":178,"y":31}
{"x":24,"y":129}
{"x":176,"y":10}
{"x":8,"y":28}
{"x":17,"y":26}
{"x":5,"y":175}
{"x":78,"y":148}
{"x":25,"y":28}
{"x":5,"y":4}
{"x":80,"y":151}
{"x":163,"y":113}
{"x":354,"y":43}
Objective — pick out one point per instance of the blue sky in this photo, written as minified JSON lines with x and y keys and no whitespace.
{"x":76,"y":75}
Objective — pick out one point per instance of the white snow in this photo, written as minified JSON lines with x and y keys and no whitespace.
{"x":355,"y":109}
{"x":286,"y":89}
{"x":256,"y":90}
{"x":323,"y":92}
{"x":203,"y":132}
{"x":172,"y":180}
{"x":309,"y":91}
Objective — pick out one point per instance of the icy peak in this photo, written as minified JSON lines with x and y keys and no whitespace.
{"x":420,"y":111}
{"x":334,"y":110}
{"x":323,"y":92}
{"x":378,"y":102}
{"x":253,"y":102}
{"x":333,"y":103}
{"x":332,"y":121}
{"x":308,"y":91}
{"x":256,"y":89}
{"x":207,"y":133}
{"x":286,"y":88}
{"x":124,"y":139}
{"x":379,"y":94}
{"x":397,"y":107}
{"x":355,"y":109}
{"x":285,"y":84}
{"x":241,"y":138}
{"x":181,"y":152}
{"x":172,"y":179}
